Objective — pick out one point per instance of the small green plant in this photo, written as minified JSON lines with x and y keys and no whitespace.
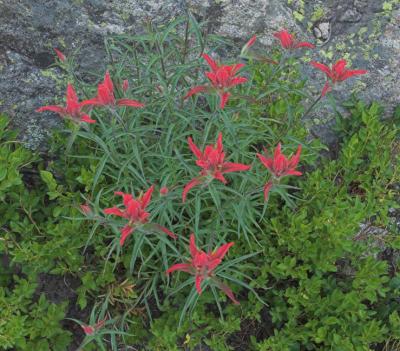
{"x":28,"y":325}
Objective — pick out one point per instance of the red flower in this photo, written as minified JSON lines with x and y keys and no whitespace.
{"x":105,"y":96}
{"x":202,"y":266}
{"x":86,"y":210}
{"x":135,"y":213}
{"x":164,"y":190}
{"x":338,"y":73}
{"x":289,"y":42}
{"x":212,"y":163}
{"x":249,"y":44}
{"x":221,"y":77}
{"x":90,"y":330}
{"x":60,"y":55}
{"x":72,"y":109}
{"x":125,"y":85}
{"x":280,"y":166}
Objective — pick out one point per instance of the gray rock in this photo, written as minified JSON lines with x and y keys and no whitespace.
{"x":242,"y":19}
{"x":24,"y":87}
{"x":30,"y":29}
{"x":351,"y":15}
{"x":322,"y":31}
{"x":364,"y":32}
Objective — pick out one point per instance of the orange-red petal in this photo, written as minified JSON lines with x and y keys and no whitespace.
{"x":129,"y":102}
{"x":188,"y":186}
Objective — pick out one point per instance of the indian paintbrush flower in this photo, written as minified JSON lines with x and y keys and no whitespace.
{"x":85,"y":209}
{"x":222,"y":78}
{"x":73,"y":108}
{"x":279,"y":166}
{"x":136,"y":214}
{"x":212,"y":162}
{"x":202,"y":265}
{"x":91,"y":330}
{"x":289,"y":42}
{"x":105,"y":96}
{"x":164,"y":191}
{"x":338,"y":73}
{"x":60,"y":55}
{"x":245,"y":52}
{"x":125,"y":85}
{"x":251,"y":42}
{"x":248,"y":45}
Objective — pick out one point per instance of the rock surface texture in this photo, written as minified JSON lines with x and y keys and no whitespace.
{"x":366,"y":32}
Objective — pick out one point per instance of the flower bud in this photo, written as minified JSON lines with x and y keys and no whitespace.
{"x":164,"y":191}
{"x":60,"y":55}
{"x":86,"y":210}
{"x":125,"y":85}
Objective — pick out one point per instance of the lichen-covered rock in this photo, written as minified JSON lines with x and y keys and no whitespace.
{"x":23,"y":87}
{"x":364,"y":32}
{"x":242,"y":19}
{"x":367,"y":35}
{"x":30,"y":29}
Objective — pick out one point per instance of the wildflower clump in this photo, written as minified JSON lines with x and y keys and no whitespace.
{"x":279,"y":272}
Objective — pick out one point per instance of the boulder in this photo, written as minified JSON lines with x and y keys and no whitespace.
{"x":366,"y":33}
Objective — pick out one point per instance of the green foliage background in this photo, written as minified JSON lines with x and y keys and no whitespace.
{"x":305,"y":275}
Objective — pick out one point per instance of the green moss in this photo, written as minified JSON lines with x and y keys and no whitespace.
{"x":326,"y":54}
{"x":319,"y":12}
{"x":362,"y":31}
{"x":298,"y":13}
{"x":60,"y":81}
{"x":298,"y":16}
{"x":62,"y":42}
{"x":341,"y":46}
{"x":387,"y":6}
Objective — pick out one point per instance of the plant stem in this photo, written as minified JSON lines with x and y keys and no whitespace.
{"x":185,"y":45}
{"x":312,"y":106}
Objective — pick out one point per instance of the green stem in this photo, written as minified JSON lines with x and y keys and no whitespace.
{"x":72,"y":137}
{"x":312,"y":106}
{"x":185,"y":45}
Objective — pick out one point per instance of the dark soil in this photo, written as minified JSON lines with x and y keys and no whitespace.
{"x":58,"y":289}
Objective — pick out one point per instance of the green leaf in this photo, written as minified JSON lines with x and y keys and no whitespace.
{"x":48,"y":178}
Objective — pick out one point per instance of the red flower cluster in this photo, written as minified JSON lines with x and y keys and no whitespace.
{"x":280,"y":166}
{"x":202,"y":266}
{"x":105,"y":95}
{"x":212,"y":163}
{"x":222,"y":78}
{"x":288,"y":41}
{"x":135,"y":213}
{"x":338,"y":73}
{"x":72,"y":110}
